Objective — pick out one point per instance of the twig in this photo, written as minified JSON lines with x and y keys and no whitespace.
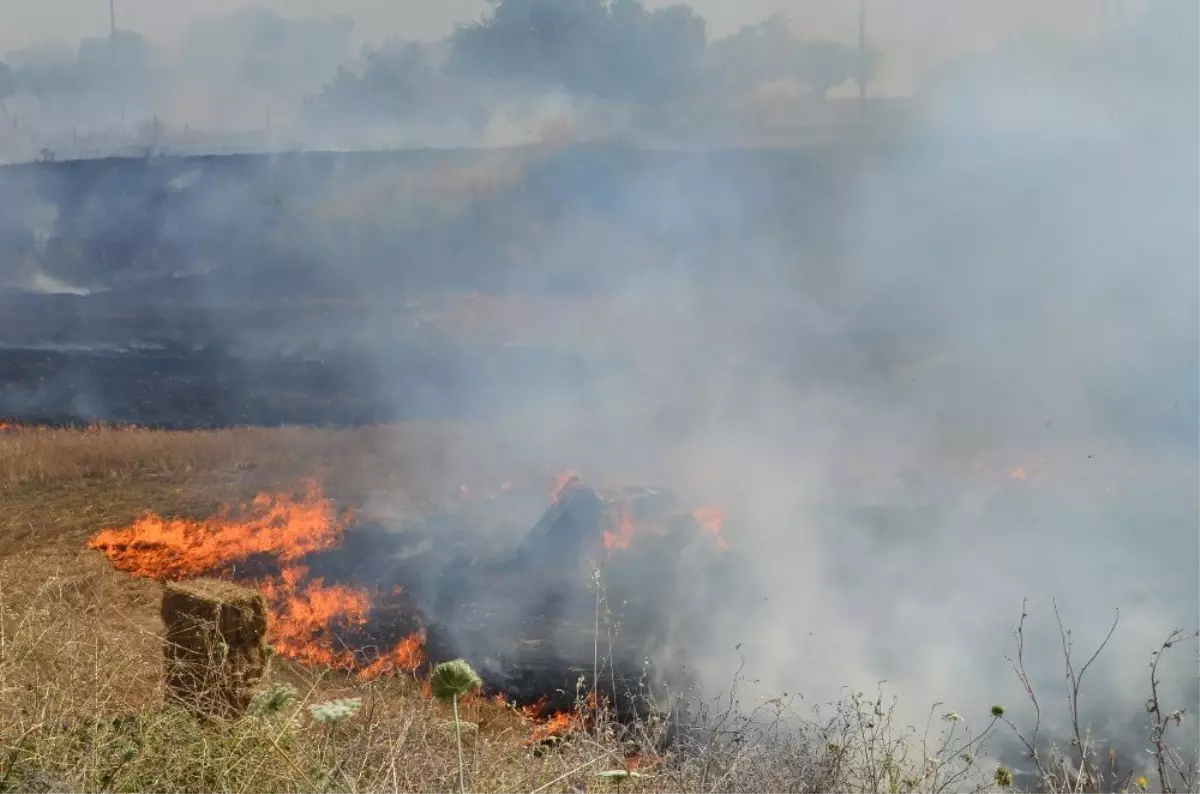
{"x":1162,"y":722}
{"x":562,"y":777}
{"x":1075,"y":682}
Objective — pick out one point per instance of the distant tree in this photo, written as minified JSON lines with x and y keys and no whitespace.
{"x":768,"y":51}
{"x":606,"y":48}
{"x":754,"y":54}
{"x":40,"y":55}
{"x":392,"y":81}
{"x":827,"y":64}
{"x":48,"y":81}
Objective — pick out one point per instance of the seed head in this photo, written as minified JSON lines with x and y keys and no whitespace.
{"x":453,"y":679}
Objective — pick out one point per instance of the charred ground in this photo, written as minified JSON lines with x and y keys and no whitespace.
{"x":315,"y":288}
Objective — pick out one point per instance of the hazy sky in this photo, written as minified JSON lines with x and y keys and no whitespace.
{"x":914,"y":35}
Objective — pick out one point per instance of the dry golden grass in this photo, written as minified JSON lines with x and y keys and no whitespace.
{"x":81,"y":696}
{"x":80,"y":669}
{"x":81,"y":647}
{"x":61,"y":484}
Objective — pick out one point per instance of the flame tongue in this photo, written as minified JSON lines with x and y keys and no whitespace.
{"x":306,"y":614}
{"x":622,"y":530}
{"x":161,"y":548}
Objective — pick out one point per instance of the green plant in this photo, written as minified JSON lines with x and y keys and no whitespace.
{"x":452,"y":680}
{"x":273,"y":700}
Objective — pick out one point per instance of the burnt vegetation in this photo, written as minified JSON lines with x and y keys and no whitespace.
{"x":314,"y":288}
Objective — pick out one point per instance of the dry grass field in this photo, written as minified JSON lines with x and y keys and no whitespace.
{"x":80,"y":643}
{"x":81,"y":656}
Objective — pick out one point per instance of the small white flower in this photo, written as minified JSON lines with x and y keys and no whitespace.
{"x":335,"y":710}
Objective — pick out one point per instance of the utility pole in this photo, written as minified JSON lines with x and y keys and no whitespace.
{"x":112,"y":18}
{"x":862,"y":53}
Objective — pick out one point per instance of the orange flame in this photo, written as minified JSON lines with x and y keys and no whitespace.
{"x":407,"y":656}
{"x":564,"y":482}
{"x":174,"y":548}
{"x":623,"y":529}
{"x":17,"y":427}
{"x":305,"y":614}
{"x":534,"y":710}
{"x":561,"y":723}
{"x":712,"y":520}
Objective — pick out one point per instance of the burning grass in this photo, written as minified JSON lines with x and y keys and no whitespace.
{"x":80,"y":686}
{"x":270,"y":544}
{"x":305,"y":612}
{"x":84,"y":713}
{"x":81,"y":653}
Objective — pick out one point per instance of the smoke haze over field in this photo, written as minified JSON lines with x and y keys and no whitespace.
{"x":930,"y":376}
{"x":919,"y":34}
{"x":177,"y":71}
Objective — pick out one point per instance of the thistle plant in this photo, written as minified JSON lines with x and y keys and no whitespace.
{"x":452,"y":680}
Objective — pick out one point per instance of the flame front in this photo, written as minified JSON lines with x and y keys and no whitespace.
{"x":176,"y":548}
{"x":623,"y":529}
{"x":305,"y":613}
{"x":267,"y":544}
{"x":559,"y":724}
{"x":548,"y":726}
